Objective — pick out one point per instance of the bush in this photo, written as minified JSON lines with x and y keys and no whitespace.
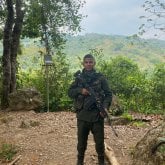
{"x":137,"y":90}
{"x":158,"y":87}
{"x":56,"y":78}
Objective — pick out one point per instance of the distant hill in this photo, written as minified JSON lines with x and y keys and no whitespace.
{"x":144,"y":52}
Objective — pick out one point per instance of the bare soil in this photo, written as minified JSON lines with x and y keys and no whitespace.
{"x":50,"y":138}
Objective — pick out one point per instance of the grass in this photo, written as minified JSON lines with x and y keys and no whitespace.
{"x":127,"y":116}
{"x":7,"y":152}
{"x":138,"y":123}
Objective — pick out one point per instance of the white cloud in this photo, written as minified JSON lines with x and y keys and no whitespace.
{"x":112,"y":16}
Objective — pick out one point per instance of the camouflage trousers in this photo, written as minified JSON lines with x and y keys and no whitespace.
{"x":97,"y":129}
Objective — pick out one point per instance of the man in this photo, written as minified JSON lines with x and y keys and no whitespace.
{"x":89,"y":118}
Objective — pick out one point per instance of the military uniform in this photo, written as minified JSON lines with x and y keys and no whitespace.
{"x":89,"y":119}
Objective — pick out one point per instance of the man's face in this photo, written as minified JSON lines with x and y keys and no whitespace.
{"x":88,"y":63}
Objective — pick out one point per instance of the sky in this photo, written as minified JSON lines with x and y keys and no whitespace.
{"x":119,"y":17}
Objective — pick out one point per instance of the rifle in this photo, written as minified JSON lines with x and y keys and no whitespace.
{"x":92,"y":98}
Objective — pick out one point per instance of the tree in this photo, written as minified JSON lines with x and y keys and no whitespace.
{"x":155,"y":17}
{"x":6,"y":65}
{"x":49,"y":20}
{"x":126,"y":81}
{"x":158,"y":87}
{"x":52,"y":20}
{"x":120,"y":71}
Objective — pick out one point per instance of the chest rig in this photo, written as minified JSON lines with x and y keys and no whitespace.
{"x":92,"y":82}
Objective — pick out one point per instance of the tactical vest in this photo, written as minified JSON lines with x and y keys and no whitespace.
{"x":93,"y":81}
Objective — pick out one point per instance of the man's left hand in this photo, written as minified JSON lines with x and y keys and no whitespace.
{"x":104,"y":113}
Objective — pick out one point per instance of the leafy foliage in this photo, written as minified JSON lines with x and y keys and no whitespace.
{"x":46,"y":19}
{"x":120,"y":71}
{"x":58,"y":77}
{"x":125,"y":80}
{"x":137,"y":90}
{"x":51,"y":20}
{"x":158,"y":87}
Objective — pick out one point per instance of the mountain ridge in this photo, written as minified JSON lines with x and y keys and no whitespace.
{"x":144,"y":51}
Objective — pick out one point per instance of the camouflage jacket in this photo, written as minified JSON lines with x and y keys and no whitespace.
{"x":99,"y":85}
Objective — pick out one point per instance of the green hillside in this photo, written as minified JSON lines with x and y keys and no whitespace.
{"x":144,"y":52}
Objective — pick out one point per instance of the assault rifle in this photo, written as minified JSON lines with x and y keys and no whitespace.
{"x":92,"y":98}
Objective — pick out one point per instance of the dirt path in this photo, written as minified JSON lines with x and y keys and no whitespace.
{"x":50,"y":138}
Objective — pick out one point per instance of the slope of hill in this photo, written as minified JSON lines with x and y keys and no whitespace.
{"x":144,"y":52}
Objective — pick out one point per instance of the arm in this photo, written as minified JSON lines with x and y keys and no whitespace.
{"x":74,"y":90}
{"x":107,"y":103}
{"x":108,"y":94}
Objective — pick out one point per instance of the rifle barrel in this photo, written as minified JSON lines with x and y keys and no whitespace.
{"x":110,"y":123}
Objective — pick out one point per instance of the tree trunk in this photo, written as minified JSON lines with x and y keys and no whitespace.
{"x":11,"y":43}
{"x":15,"y":43}
{"x":6,"y":65}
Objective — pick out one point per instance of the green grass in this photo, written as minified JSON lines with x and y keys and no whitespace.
{"x":127,"y":116}
{"x":138,"y":123}
{"x":7,"y":152}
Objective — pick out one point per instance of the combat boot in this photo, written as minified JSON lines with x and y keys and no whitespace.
{"x":101,"y":160}
{"x":80,"y":160}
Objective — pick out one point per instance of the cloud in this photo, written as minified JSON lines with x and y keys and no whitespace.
{"x":112,"y":16}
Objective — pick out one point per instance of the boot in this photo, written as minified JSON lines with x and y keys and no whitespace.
{"x":80,"y":160}
{"x":101,"y":160}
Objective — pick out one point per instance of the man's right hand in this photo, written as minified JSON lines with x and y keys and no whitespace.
{"x":84,"y":91}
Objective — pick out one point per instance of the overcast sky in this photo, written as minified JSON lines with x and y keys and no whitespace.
{"x":119,"y":17}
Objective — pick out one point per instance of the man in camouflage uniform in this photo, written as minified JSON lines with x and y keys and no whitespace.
{"x":89,"y":118}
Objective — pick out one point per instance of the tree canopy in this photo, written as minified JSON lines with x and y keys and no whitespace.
{"x":49,"y":20}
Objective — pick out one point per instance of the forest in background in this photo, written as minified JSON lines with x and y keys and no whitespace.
{"x":146,"y":53}
{"x":134,"y":68}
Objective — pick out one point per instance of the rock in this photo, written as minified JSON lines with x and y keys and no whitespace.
{"x":147,"y":149}
{"x":25,"y":99}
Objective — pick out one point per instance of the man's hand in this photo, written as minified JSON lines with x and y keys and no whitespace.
{"x":84,"y":92}
{"x":104,"y":113}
